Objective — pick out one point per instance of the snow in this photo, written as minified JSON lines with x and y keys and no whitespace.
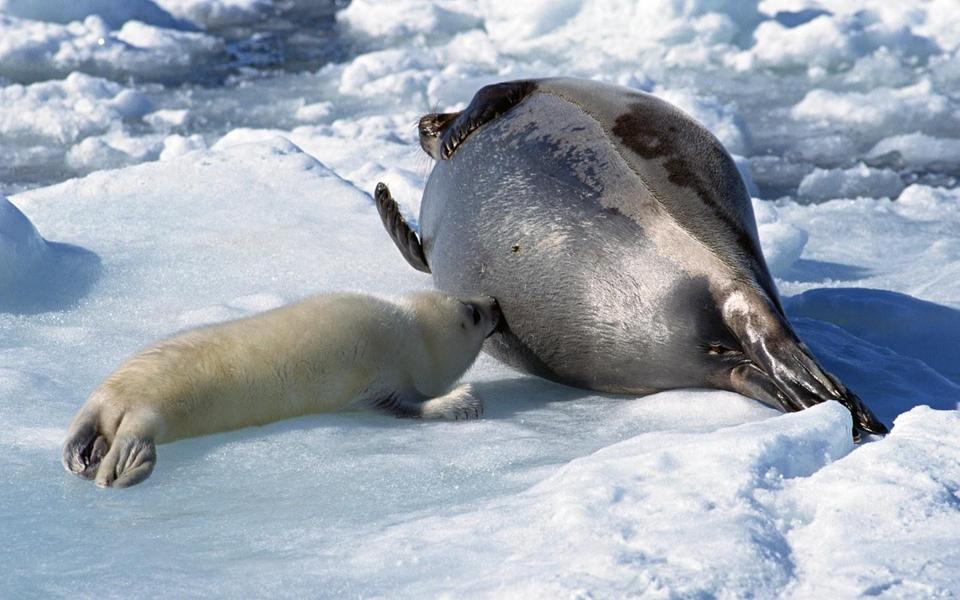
{"x":213,"y":185}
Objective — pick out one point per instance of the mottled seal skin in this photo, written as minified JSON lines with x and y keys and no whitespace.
{"x":619,"y":239}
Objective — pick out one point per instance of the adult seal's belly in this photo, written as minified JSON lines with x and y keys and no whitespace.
{"x":619,"y":239}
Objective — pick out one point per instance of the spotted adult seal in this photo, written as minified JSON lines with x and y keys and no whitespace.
{"x":619,"y":239}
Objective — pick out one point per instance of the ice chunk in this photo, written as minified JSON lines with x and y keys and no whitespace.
{"x":114,"y":12}
{"x":880,"y":111}
{"x":318,"y":111}
{"x":860,"y":180}
{"x":167,"y":119}
{"x":406,"y":18}
{"x":33,"y":50}
{"x":833,"y":42}
{"x":68,"y":110}
{"x":217,"y":13}
{"x":919,"y":150}
{"x":782,"y":243}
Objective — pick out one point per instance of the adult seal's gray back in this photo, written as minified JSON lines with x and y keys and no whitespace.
{"x":619,"y":239}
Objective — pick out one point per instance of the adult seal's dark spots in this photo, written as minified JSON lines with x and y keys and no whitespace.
{"x":640,"y":268}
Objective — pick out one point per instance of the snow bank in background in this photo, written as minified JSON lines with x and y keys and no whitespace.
{"x":35,"y":50}
{"x":217,"y":13}
{"x":113,"y":12}
{"x":861,"y":180}
{"x":68,"y":110}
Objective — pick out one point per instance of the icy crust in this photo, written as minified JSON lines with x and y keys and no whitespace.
{"x":37,"y":50}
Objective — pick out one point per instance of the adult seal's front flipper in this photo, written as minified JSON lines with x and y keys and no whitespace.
{"x":488,"y":104}
{"x":405,"y":238}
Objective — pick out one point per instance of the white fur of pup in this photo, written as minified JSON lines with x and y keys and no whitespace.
{"x":325,"y":353}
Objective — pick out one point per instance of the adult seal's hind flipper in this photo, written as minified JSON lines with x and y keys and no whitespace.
{"x":400,"y":232}
{"x":778,"y":369}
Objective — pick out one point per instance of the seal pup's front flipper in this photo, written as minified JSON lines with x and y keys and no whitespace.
{"x":458,"y":404}
{"x":400,"y":232}
{"x":85,"y":445}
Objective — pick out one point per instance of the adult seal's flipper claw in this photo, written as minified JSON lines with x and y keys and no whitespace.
{"x":405,"y":238}
{"x":488,"y":104}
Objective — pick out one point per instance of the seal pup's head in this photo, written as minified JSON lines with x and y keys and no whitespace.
{"x":452,"y":331}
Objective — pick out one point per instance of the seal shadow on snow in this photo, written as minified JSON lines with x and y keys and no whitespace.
{"x":503,"y":398}
{"x":59,"y":282}
{"x":808,"y":271}
{"x":897,"y":351}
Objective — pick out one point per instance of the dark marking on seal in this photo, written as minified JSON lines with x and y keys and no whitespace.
{"x":654,"y":139}
{"x":487,"y":104}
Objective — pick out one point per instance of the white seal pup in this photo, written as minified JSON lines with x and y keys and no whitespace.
{"x":619,"y":239}
{"x":325,"y":353}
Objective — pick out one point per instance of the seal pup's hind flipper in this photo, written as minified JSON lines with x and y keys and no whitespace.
{"x":487,"y":104}
{"x":400,"y":232}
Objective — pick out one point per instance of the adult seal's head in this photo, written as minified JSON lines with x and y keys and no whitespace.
{"x":619,"y":238}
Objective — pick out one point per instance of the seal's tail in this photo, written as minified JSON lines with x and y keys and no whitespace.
{"x":780,"y":370}
{"x":85,"y":445}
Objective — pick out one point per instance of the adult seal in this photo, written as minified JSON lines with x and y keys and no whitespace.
{"x":618,"y":237}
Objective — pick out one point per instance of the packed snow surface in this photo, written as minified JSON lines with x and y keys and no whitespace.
{"x":171,"y":163}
